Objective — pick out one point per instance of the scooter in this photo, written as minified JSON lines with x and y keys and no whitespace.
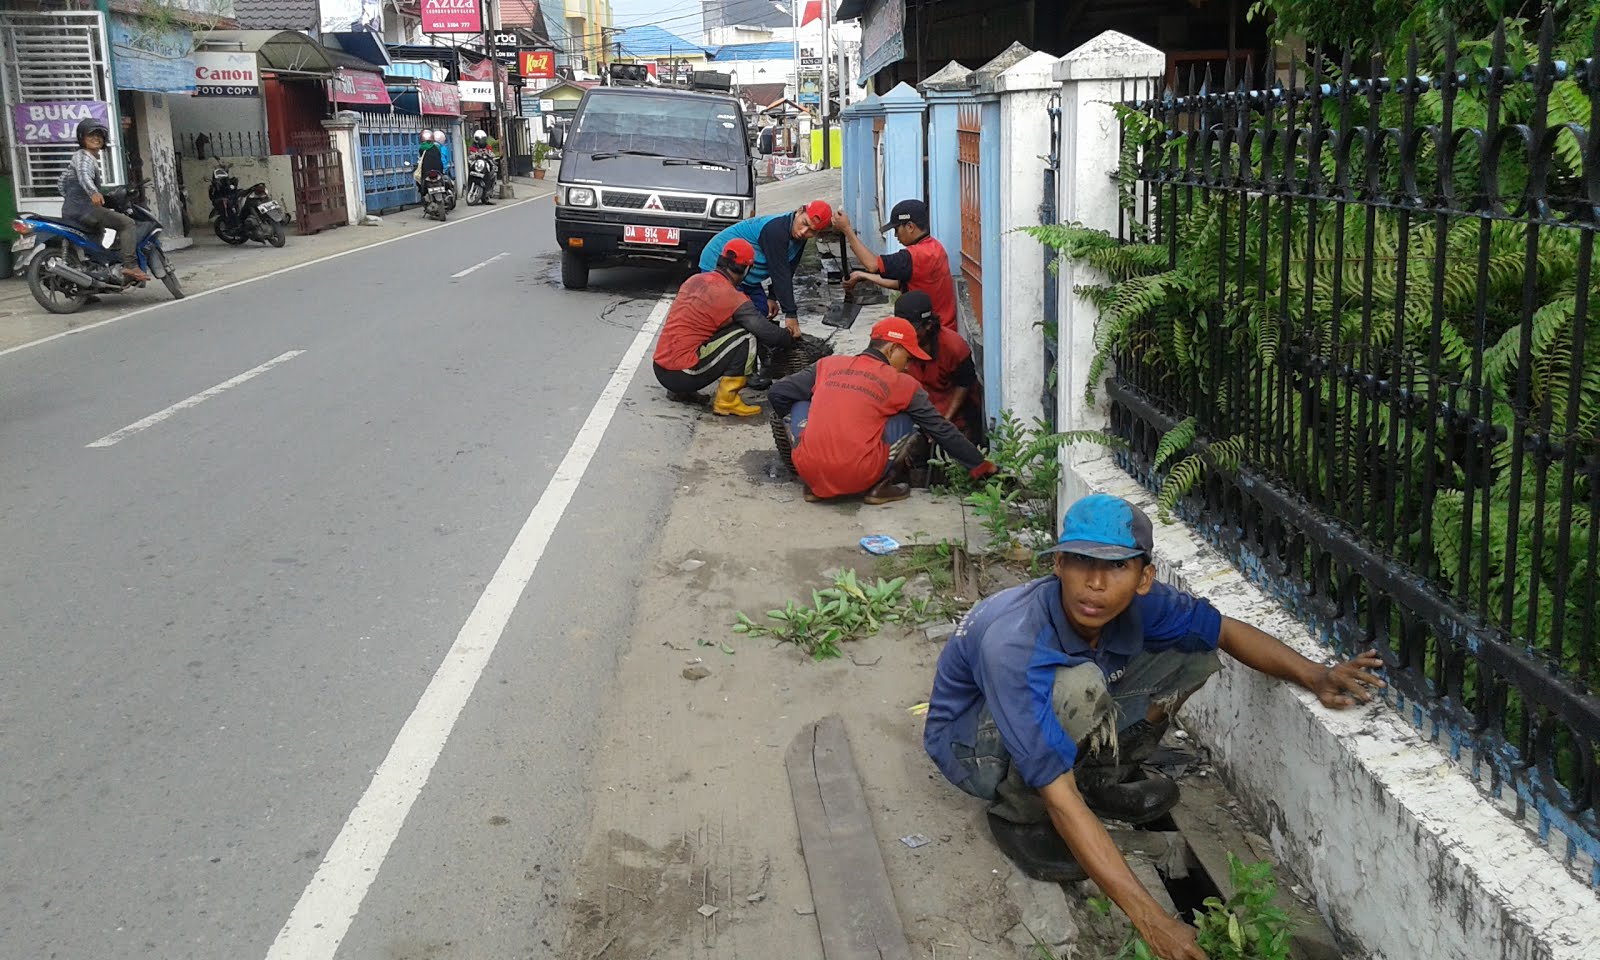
{"x":480,"y":179}
{"x":67,"y":264}
{"x":439,"y":198}
{"x":244,"y":216}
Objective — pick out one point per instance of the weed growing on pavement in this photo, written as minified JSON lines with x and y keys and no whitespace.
{"x":850,"y":609}
{"x":1245,"y":927}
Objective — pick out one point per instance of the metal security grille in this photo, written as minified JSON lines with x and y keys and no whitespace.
{"x":969,"y":140}
{"x":52,"y":57}
{"x":629,"y":200}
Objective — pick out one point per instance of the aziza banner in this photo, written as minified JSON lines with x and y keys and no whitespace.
{"x":452,"y":16}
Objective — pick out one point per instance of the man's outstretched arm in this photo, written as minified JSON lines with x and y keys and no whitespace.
{"x":1169,"y":938}
{"x":1339,"y":686}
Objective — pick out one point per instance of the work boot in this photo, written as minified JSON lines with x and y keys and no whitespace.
{"x":809,"y":496}
{"x":1140,"y":801}
{"x":760,"y":382}
{"x":728,"y":402}
{"x":1037,"y":850}
{"x":888,"y":490}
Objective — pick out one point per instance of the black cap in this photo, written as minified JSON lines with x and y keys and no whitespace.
{"x":915,"y":306}
{"x":907,"y":211}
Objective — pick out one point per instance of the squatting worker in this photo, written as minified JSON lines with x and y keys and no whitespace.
{"x":779,"y":240}
{"x":711,"y":333}
{"x":854,"y":420}
{"x":1049,"y":695}
{"x":948,"y":374}
{"x":923,"y":264}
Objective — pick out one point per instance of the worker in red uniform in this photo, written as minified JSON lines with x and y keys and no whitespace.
{"x":949,"y":375}
{"x":923,"y":264}
{"x":853,"y":420}
{"x":711,"y":332}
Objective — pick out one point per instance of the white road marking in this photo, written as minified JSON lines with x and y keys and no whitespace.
{"x":330,"y":902}
{"x":111,"y":439}
{"x":75,"y":331}
{"x":479,"y":266}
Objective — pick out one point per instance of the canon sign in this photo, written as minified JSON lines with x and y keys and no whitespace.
{"x":451,"y":16}
{"x":226,"y":75}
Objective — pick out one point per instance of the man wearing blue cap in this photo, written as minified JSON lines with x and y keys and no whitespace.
{"x":1049,"y":695}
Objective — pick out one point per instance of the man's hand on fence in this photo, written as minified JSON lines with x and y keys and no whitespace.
{"x":1345,"y":684}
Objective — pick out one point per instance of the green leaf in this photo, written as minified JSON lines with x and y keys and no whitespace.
{"x":727,"y":649}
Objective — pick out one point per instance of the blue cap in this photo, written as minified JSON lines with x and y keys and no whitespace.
{"x":1107,"y":528}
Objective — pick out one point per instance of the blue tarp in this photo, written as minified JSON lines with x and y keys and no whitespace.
{"x":151,"y":60}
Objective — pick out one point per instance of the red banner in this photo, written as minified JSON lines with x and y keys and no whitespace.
{"x":360,"y":88}
{"x":537,"y":64}
{"x":451,"y":16}
{"x":439,"y":99}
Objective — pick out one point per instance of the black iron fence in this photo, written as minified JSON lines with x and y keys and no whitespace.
{"x":1356,"y":340}
{"x":224,"y":144}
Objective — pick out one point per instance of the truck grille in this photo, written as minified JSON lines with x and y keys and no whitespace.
{"x":632,"y":200}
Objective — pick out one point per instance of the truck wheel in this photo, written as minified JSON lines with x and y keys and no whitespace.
{"x":574,"y":270}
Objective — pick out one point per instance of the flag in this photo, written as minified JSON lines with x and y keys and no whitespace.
{"x":813,"y":12}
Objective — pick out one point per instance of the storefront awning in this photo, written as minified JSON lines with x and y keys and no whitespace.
{"x":283,"y":50}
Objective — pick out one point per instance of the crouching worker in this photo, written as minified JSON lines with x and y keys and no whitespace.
{"x":854,"y":420}
{"x":1049,"y":695}
{"x":711,"y":332}
{"x":948,"y":374}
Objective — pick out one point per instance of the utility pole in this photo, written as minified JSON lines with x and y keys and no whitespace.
{"x":499,"y":92}
{"x":827,"y":28}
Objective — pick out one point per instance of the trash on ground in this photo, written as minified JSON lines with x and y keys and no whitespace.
{"x":879,"y":544}
{"x":695,"y":673}
{"x":915,"y":840}
{"x":690,"y":566}
{"x":756,"y":897}
{"x":805,"y":911}
{"x":707,"y":910}
{"x":918,"y":708}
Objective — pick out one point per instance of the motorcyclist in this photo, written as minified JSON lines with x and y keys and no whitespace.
{"x":429,"y":158}
{"x":83,"y":203}
{"x":442,"y":140}
{"x":480,"y":145}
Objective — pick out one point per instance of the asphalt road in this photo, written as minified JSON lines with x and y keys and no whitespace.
{"x":220,"y":625}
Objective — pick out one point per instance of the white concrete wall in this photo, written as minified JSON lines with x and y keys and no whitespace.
{"x":274,"y":171}
{"x":153,"y":127}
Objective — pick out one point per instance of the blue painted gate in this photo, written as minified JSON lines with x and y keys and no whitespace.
{"x":388,"y":143}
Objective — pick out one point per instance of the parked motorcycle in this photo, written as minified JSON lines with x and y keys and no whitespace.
{"x":244,"y":215}
{"x":438,"y":197}
{"x":480,"y":179}
{"x":68,"y":264}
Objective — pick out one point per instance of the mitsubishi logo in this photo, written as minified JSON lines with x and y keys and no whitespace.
{"x":654,"y":203}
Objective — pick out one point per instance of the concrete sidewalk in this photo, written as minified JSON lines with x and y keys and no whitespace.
{"x":210,"y":264}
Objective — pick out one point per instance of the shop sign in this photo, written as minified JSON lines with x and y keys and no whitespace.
{"x":537,"y":64}
{"x":438,"y":99}
{"x":359,"y":88}
{"x":55,"y":121}
{"x":477,"y":91}
{"x":451,"y":16}
{"x":226,"y":74}
{"x":152,"y":59}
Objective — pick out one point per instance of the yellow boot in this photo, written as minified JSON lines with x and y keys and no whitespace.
{"x":729,"y":403}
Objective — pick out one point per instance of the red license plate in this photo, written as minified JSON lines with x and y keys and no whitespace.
{"x":658,"y":236}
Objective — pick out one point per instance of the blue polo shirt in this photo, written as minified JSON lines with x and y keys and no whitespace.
{"x":1006,"y":653}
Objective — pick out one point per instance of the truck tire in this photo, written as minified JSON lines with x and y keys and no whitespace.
{"x":574,"y":270}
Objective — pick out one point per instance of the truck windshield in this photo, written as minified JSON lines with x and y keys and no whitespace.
{"x":695,"y":128}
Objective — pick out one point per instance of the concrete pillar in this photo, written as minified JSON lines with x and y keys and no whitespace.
{"x":944,"y":90}
{"x":152,"y":125}
{"x":850,"y":132}
{"x":343,"y":131}
{"x":1024,"y":90}
{"x":990,"y":175}
{"x":1091,"y":79}
{"x":869,"y":211}
{"x":902,"y":151}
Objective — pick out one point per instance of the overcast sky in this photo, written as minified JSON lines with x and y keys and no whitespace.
{"x":681,"y":17}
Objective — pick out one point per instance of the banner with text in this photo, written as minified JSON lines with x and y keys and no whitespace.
{"x":226,"y":74}
{"x":451,"y":16}
{"x":55,"y":122}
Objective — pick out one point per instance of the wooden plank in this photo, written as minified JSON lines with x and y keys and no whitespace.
{"x":856,"y":913}
{"x":1204,"y":820}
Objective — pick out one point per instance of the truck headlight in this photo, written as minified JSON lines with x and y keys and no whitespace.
{"x":726,"y":209}
{"x":580,"y":196}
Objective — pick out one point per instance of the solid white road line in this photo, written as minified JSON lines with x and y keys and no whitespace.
{"x":329,"y":903}
{"x":111,"y":439}
{"x":479,"y":266}
{"x":265,"y":276}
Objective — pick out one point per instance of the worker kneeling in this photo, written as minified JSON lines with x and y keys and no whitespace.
{"x":854,"y":420}
{"x":711,"y":333}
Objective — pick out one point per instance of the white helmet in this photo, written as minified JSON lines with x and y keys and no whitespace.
{"x":427,"y":136}
{"x":479,"y":135}
{"x":438,"y":136}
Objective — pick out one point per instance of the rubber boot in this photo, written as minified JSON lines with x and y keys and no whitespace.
{"x":893,"y":486}
{"x":728,"y":402}
{"x":1037,"y":850}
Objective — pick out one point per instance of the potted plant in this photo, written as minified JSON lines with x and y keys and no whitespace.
{"x":541,"y":152}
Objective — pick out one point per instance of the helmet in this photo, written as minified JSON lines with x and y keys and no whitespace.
{"x":438,"y":136}
{"x":90,"y":125}
{"x":427,"y":136}
{"x":479,"y":135}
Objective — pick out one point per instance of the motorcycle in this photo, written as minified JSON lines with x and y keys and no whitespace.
{"x":439,"y":198}
{"x":241,"y":216}
{"x":480,"y":179}
{"x":67,"y":264}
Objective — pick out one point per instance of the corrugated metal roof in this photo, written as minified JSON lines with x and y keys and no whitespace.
{"x":771,"y":50}
{"x":277,"y":14}
{"x":650,"y":41}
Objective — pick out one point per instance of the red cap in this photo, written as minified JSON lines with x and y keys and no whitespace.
{"x":899,"y":330}
{"x":739,"y":252}
{"x":820,"y":213}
